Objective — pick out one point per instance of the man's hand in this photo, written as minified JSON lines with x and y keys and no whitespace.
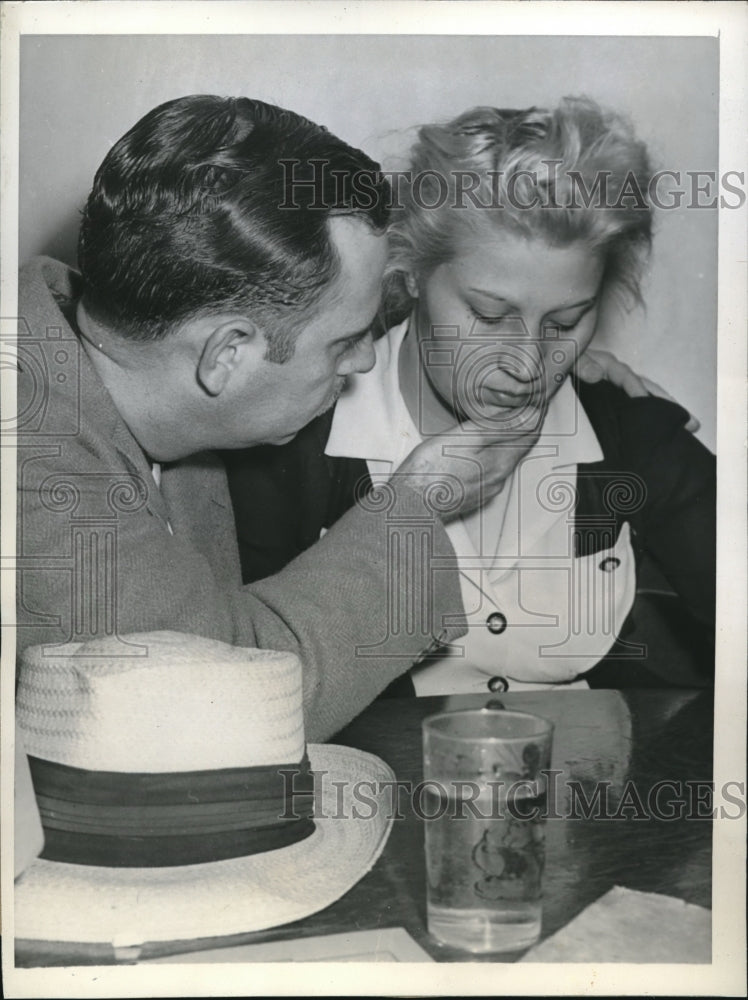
{"x":480,"y":461}
{"x":593,"y":366}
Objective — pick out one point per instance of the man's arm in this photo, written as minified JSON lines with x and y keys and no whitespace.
{"x":102,"y":551}
{"x":358,"y":608}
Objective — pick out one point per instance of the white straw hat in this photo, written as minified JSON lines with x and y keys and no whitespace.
{"x":160,"y":762}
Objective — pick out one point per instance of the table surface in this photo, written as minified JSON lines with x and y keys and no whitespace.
{"x":624,"y":742}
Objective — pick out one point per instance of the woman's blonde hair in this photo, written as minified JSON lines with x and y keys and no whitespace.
{"x":575,"y":173}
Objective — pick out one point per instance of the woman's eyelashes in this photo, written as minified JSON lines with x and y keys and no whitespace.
{"x":565,"y":326}
{"x":571,"y":322}
{"x":551,"y":324}
{"x":489,"y":320}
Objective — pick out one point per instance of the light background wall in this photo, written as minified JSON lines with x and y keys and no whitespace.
{"x":79,"y":94}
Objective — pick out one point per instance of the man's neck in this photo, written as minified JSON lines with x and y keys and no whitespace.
{"x":133,"y":376}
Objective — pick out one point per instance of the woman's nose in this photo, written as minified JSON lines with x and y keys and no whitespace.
{"x":520,"y":356}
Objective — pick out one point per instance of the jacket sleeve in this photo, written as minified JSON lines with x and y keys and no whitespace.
{"x":361,"y":604}
{"x":353,"y":607}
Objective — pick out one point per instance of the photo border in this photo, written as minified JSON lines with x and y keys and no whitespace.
{"x":726,"y":974}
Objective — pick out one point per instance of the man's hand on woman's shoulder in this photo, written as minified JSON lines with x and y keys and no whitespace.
{"x":593,"y":366}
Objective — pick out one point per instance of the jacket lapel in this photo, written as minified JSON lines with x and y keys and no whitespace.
{"x":196,"y":497}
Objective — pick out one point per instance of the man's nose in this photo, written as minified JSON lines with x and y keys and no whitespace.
{"x":361,"y":359}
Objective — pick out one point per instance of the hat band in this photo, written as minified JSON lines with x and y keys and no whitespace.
{"x":118,"y":819}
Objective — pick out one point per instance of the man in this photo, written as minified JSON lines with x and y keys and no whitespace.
{"x":230,"y":266}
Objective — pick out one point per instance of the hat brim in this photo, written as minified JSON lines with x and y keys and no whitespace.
{"x":62,"y":902}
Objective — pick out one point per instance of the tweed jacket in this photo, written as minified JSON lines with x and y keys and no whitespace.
{"x":103,"y":550}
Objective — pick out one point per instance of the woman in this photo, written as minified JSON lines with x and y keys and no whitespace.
{"x":502,"y":256}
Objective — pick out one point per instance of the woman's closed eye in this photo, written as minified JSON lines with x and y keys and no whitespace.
{"x":489,"y":320}
{"x":565,"y":324}
{"x":570,"y":321}
{"x":551,"y":324}
{"x":567,"y":327}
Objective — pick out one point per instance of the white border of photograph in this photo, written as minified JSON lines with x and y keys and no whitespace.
{"x":726,"y":975}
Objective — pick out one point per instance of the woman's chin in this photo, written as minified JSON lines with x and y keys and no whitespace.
{"x":511,"y":418}
{"x":506,"y":403}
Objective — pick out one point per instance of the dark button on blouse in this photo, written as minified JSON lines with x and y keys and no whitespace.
{"x":496,"y":623}
{"x":498,"y":684}
{"x":610,"y":564}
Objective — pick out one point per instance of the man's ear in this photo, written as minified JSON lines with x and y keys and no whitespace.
{"x":223,"y":351}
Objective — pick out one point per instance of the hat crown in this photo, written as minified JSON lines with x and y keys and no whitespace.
{"x":173,"y":702}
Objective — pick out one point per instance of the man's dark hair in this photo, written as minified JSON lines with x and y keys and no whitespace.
{"x":210,"y":203}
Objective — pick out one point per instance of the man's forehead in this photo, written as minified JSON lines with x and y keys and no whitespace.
{"x":361,"y":253}
{"x":349,"y":303}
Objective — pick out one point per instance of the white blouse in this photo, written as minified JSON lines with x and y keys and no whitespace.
{"x":536,"y":615}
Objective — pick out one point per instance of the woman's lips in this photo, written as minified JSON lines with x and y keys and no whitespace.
{"x":525,"y":393}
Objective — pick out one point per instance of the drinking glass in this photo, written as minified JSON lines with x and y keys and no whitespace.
{"x":483,"y":803}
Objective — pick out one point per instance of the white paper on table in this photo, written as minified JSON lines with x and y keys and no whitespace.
{"x":629,"y":926}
